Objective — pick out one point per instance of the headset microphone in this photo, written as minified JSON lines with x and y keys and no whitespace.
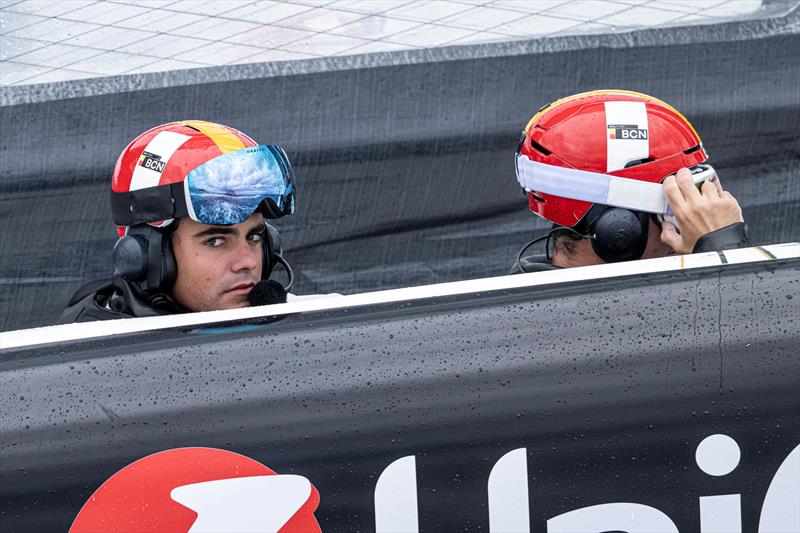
{"x":267,"y":292}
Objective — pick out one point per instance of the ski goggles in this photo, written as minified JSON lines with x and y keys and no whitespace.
{"x":230,"y":188}
{"x":598,"y":188}
{"x":222,"y":191}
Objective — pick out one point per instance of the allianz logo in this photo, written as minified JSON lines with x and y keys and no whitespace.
{"x":717,"y":455}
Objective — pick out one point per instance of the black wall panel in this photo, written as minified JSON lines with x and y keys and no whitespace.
{"x":405,"y":172}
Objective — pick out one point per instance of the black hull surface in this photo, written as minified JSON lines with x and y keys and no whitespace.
{"x":609,"y":386}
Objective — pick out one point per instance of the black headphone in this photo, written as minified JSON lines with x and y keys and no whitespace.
{"x":144,"y":255}
{"x":617,"y":234}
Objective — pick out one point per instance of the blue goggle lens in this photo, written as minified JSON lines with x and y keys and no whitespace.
{"x":230,"y":188}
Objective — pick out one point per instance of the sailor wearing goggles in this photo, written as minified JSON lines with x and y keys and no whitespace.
{"x":192,"y":201}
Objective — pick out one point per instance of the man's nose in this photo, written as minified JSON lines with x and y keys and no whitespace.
{"x":246,"y":256}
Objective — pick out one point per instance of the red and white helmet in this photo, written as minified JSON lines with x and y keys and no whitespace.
{"x":590,"y":147}
{"x":152,"y":177}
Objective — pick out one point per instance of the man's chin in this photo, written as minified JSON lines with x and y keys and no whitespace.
{"x":231,"y":301}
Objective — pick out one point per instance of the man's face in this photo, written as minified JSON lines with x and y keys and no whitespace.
{"x":217,"y":265}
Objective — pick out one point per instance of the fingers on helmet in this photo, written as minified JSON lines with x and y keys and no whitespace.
{"x":687,"y":186}
{"x":674,"y":195}
{"x":710,"y":189}
{"x":715,"y":180}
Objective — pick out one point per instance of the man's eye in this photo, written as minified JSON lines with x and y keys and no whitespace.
{"x":256,"y":237}
{"x":215,"y":241}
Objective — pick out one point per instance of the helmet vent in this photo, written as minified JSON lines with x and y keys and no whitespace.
{"x":635,"y":162}
{"x":692,"y":150}
{"x":539,"y":148}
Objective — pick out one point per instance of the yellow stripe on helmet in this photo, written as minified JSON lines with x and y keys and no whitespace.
{"x":224,"y":138}
{"x":608,"y":91}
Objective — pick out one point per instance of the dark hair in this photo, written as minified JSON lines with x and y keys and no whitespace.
{"x":565,"y":241}
{"x":169,"y":231}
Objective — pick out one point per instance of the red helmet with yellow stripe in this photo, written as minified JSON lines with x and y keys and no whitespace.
{"x":607,"y":134}
{"x":199,"y":169}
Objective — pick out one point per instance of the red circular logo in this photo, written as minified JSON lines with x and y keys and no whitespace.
{"x":200,"y":489}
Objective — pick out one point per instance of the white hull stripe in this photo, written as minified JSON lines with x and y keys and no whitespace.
{"x":627,"y":134}
{"x":162,"y":146}
{"x":89,"y":330}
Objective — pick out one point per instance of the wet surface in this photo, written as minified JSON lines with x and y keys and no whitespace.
{"x":609,"y":386}
{"x":405,"y":173}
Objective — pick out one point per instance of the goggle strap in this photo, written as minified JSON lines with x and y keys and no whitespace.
{"x":592,"y":187}
{"x":151,"y":203}
{"x":186,"y":202}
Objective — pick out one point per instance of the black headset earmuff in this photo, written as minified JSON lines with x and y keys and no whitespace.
{"x":272,"y":248}
{"x":273,"y":255}
{"x":145,"y":255}
{"x":619,"y":234}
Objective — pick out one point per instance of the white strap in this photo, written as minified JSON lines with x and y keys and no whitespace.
{"x":591,"y":187}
